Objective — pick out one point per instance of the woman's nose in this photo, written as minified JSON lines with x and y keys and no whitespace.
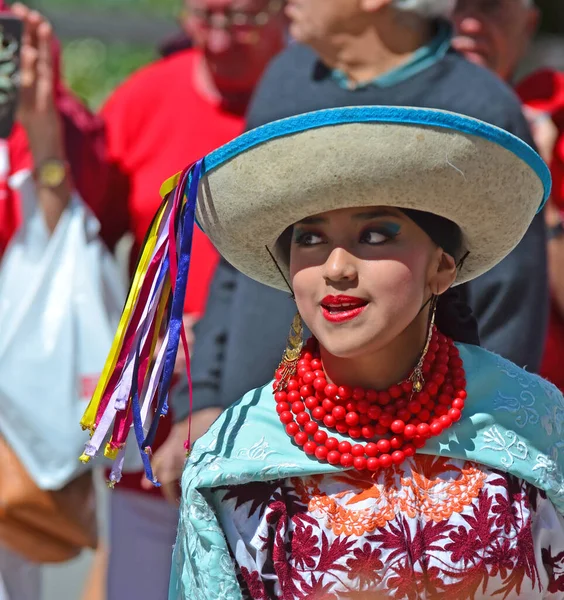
{"x":340,"y":266}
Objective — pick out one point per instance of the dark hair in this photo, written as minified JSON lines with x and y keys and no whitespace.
{"x":454,"y":317}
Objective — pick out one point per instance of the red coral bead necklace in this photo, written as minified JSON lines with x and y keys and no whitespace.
{"x":397,"y":421}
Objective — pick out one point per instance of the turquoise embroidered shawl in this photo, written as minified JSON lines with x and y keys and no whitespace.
{"x":513,"y":421}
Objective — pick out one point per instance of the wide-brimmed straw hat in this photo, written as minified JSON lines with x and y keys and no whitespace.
{"x":487,"y":181}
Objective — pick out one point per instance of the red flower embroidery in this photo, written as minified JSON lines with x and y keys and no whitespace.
{"x":395,"y":537}
{"x":305,"y":547}
{"x":288,"y":577}
{"x":464,"y":546}
{"x":501,"y":558}
{"x":506,"y":511}
{"x":525,"y":564}
{"x":254,"y":584}
{"x":403,"y":584}
{"x":484,"y":550}
{"x":366,"y":565}
{"x":318,"y":590}
{"x":554,"y":566}
{"x":332,"y":554}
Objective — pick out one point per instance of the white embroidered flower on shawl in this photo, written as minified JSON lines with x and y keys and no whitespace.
{"x":554,"y":418}
{"x":510,"y":444}
{"x":521,"y":407}
{"x":258,"y":451}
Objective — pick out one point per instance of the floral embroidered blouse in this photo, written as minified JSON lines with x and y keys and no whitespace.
{"x":431,"y":528}
{"x":476,"y":514}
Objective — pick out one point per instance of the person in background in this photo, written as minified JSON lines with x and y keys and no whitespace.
{"x":50,"y":132}
{"x":496,"y":34}
{"x":385,"y":52}
{"x":168,"y":114}
{"x":44,"y":141}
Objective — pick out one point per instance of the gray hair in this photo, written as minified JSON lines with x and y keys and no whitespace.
{"x":429,"y":9}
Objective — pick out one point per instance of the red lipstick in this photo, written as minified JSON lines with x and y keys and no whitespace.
{"x":338,"y":309}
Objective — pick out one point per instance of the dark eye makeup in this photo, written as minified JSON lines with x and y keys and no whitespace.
{"x":372,"y":235}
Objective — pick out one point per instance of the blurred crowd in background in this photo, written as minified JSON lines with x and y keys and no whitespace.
{"x":97,"y":58}
{"x":108,"y":145}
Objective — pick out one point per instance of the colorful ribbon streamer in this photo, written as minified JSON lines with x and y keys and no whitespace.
{"x":133,"y":389}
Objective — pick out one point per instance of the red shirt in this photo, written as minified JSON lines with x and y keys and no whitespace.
{"x":544,"y":90}
{"x":15,"y":157}
{"x":157,"y":123}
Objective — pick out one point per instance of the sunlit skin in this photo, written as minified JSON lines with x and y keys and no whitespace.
{"x":362,"y":38}
{"x":312,"y":20}
{"x":236,"y":48}
{"x":382,"y":257}
{"x":494,"y":33}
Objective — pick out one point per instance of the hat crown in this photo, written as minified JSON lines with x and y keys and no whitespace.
{"x":483,"y":178}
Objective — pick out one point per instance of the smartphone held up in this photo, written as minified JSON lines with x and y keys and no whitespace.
{"x":11,"y":31}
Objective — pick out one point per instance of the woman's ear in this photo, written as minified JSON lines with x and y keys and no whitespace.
{"x":444,"y":274}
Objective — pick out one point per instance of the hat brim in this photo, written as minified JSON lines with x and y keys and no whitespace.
{"x":487,"y":181}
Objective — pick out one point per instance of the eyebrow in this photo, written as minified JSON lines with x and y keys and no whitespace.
{"x":374,"y":214}
{"x":363,"y":216}
{"x":312,"y":221}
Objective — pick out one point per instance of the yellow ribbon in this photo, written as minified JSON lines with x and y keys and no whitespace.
{"x":110,"y":451}
{"x":169,"y":185}
{"x":89,"y":418}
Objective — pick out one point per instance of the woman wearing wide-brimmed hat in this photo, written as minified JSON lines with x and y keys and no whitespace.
{"x":391,"y":456}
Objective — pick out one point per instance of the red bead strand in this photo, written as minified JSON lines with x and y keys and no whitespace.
{"x":397,"y":421}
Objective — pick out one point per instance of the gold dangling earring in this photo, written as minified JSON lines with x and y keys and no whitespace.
{"x":289,"y":362}
{"x":416,"y":377}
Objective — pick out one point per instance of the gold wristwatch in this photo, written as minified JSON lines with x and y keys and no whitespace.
{"x":51,"y":173}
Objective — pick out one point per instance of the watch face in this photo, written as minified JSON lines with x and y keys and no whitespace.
{"x":52,"y":174}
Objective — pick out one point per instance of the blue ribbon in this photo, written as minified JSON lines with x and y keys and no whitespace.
{"x":137,"y":422}
{"x":177,"y":308}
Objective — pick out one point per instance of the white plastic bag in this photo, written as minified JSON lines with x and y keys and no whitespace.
{"x":60,"y":301}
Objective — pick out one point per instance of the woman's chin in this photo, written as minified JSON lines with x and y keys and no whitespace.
{"x":347,"y":344}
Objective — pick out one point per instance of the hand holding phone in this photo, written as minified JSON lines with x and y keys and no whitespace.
{"x":36,"y":108}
